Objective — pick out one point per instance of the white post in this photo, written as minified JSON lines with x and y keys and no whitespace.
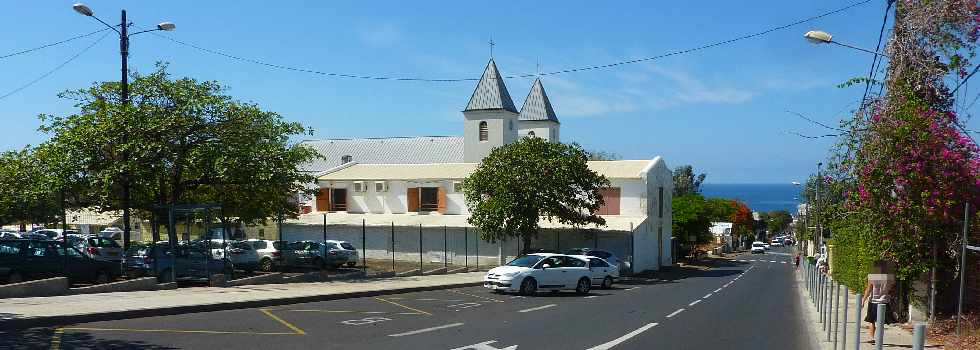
{"x":857,"y":320}
{"x":880,"y":326}
{"x":843,"y":334}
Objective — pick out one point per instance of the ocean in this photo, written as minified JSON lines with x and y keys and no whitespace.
{"x":759,"y":197}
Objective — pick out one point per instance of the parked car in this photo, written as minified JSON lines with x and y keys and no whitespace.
{"x":776,"y":242}
{"x":55,"y":233}
{"x":9,"y":235}
{"x":603,"y":272}
{"x":27,"y":259}
{"x":269,"y":252}
{"x":241,"y":254}
{"x":158,"y":259}
{"x":312,"y":254}
{"x":611,"y":258}
{"x":530,"y":273}
{"x":758,"y":247}
{"x":343,"y":248}
{"x":96,"y":247}
{"x":114,"y":233}
{"x":766,"y":246}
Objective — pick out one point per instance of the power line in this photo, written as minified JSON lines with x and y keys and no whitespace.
{"x":55,"y":69}
{"x":965,"y":79}
{"x":874,"y":61}
{"x":53,"y":44}
{"x":564,"y":71}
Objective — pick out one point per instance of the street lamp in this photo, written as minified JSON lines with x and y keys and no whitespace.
{"x":822,"y":37}
{"x":123,"y":93}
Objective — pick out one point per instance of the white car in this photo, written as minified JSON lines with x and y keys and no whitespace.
{"x":530,"y":273}
{"x":603,"y":273}
{"x":758,"y":247}
{"x":776,"y":242}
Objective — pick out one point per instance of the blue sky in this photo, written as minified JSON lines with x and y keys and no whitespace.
{"x":722,"y":110}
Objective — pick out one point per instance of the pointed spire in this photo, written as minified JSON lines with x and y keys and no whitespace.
{"x":490,"y":92}
{"x":537,"y":106}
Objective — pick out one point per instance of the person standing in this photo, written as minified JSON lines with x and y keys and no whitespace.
{"x":797,"y":260}
{"x":876,"y":291}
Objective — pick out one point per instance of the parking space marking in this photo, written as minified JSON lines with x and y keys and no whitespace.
{"x":464,"y":306}
{"x":517,"y":297}
{"x":717,"y":290}
{"x":707,"y":296}
{"x":430,"y":329}
{"x":91,"y":329}
{"x":631,"y":288}
{"x":353,"y":312}
{"x":435,"y":299}
{"x":672,"y":314}
{"x":56,"y":338}
{"x":772,"y":261}
{"x":614,"y":342}
{"x":538,"y":308}
{"x":478,"y":296}
{"x":694,"y":302}
{"x":283,"y":322}
{"x":591,"y":297}
{"x":403,"y":306}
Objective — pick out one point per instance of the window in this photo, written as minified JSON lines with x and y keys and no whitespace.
{"x":262,"y":235}
{"x":510,"y":124}
{"x":72,"y":252}
{"x":610,"y":199}
{"x":380,"y":186}
{"x":9,"y":248}
{"x":484,"y":133}
{"x":551,"y":262}
{"x":457,"y":186}
{"x":597,"y":263}
{"x":599,"y":254}
{"x":259,"y":244}
{"x":429,"y":198}
{"x":359,"y":186}
{"x":660,"y":201}
{"x":530,"y":133}
{"x":346,"y":159}
{"x":574,"y":262}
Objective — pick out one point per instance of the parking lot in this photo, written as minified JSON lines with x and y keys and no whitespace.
{"x":634,"y":314}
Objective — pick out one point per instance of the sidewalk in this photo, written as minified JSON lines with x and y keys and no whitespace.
{"x":895,"y":337}
{"x":58,"y":310}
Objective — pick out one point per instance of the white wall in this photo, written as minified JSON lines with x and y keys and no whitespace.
{"x":395,"y":200}
{"x":632,"y":196}
{"x":502,"y":126}
{"x":547,"y":130}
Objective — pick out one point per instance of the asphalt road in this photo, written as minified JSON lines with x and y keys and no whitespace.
{"x":748,"y":304}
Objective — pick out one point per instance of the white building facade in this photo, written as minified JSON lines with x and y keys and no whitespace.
{"x":416,"y":180}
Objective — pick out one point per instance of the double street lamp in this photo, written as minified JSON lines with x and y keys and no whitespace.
{"x":124,"y":35}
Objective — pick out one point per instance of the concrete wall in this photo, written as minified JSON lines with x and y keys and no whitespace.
{"x":37,"y":288}
{"x":547,"y":130}
{"x":502,"y":127}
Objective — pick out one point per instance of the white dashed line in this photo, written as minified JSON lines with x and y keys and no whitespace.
{"x":614,"y":342}
{"x":727,"y":284}
{"x":672,"y":314}
{"x":707,"y":296}
{"x":538,"y":308}
{"x":694,"y":302}
{"x":717,"y":290}
{"x":772,"y":261}
{"x":591,"y":296}
{"x":517,"y":297}
{"x":451,"y":325}
{"x":782,"y":262}
{"x":632,"y":288}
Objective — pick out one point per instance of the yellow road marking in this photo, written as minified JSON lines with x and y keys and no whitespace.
{"x":406,"y":307}
{"x":171,"y":331}
{"x":478,"y":296}
{"x":56,"y":338}
{"x":354,"y":312}
{"x":283,"y":322}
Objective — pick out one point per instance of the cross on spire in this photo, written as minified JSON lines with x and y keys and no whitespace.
{"x":491,"y":46}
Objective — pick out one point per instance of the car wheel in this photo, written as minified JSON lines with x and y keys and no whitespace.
{"x":351,"y":264}
{"x":101,"y":277}
{"x":265,"y":265}
{"x":166,"y":276}
{"x":583,"y":286}
{"x":529,"y":286}
{"x":15,"y":277}
{"x":607,"y":282}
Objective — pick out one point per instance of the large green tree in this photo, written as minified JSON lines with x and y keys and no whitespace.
{"x":686,"y":181}
{"x":691,"y":222}
{"x":778,"y":220}
{"x":531,"y":179}
{"x":179,"y":141}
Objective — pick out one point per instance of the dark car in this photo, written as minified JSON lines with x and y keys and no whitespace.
{"x":26,"y":259}
{"x":192,"y":263}
{"x":313,"y":254}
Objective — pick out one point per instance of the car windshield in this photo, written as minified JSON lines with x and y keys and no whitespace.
{"x":347,"y":246}
{"x":757,"y":244}
{"x":525,"y":261}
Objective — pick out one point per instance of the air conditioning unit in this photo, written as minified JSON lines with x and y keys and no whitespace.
{"x":380,"y":186}
{"x":359,"y":186}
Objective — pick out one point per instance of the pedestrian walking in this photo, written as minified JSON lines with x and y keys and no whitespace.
{"x":877,"y":292}
{"x":797,"y":260}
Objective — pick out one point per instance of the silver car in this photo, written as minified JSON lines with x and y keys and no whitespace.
{"x":270,"y":257}
{"x":96,"y":247}
{"x":345,"y":249}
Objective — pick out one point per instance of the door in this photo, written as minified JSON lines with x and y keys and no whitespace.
{"x":43,"y":260}
{"x":429,"y":199}
{"x":323,"y":200}
{"x":610,"y":198}
{"x":572,"y":269}
{"x":549,"y":277}
{"x":599,"y":270}
{"x":339,"y":199}
{"x":80,"y":267}
{"x":413,"y":199}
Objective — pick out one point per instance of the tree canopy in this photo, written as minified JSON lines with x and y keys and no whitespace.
{"x":686,"y":181}
{"x":520,"y":183}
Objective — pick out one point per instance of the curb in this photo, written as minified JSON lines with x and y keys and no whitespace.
{"x":16,"y":324}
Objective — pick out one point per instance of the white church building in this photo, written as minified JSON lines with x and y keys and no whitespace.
{"x":416,"y":181}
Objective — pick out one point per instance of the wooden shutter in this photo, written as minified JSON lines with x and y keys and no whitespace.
{"x":611,"y":198}
{"x":441,"y":202}
{"x":323,"y":200}
{"x":413,"y":199}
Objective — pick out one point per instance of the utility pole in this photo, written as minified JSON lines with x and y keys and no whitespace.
{"x":818,"y":236}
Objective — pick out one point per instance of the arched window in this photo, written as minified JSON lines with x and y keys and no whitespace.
{"x":530,"y":133}
{"x":484,"y":133}
{"x":346,"y":159}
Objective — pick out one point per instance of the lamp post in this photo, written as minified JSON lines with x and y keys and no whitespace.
{"x":822,"y":37}
{"x":123,"y":94}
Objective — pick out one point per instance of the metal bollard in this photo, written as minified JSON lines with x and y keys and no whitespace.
{"x":919,"y":337}
{"x":823,"y":302}
{"x":830,"y":303}
{"x":843,"y":329}
{"x":836,"y":312}
{"x":857,"y":320}
{"x":880,"y":326}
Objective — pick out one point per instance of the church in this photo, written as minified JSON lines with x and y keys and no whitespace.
{"x":416,"y":181}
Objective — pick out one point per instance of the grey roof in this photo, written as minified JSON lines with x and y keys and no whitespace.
{"x":390,"y":150}
{"x":490,"y":92}
{"x":537,"y":106}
